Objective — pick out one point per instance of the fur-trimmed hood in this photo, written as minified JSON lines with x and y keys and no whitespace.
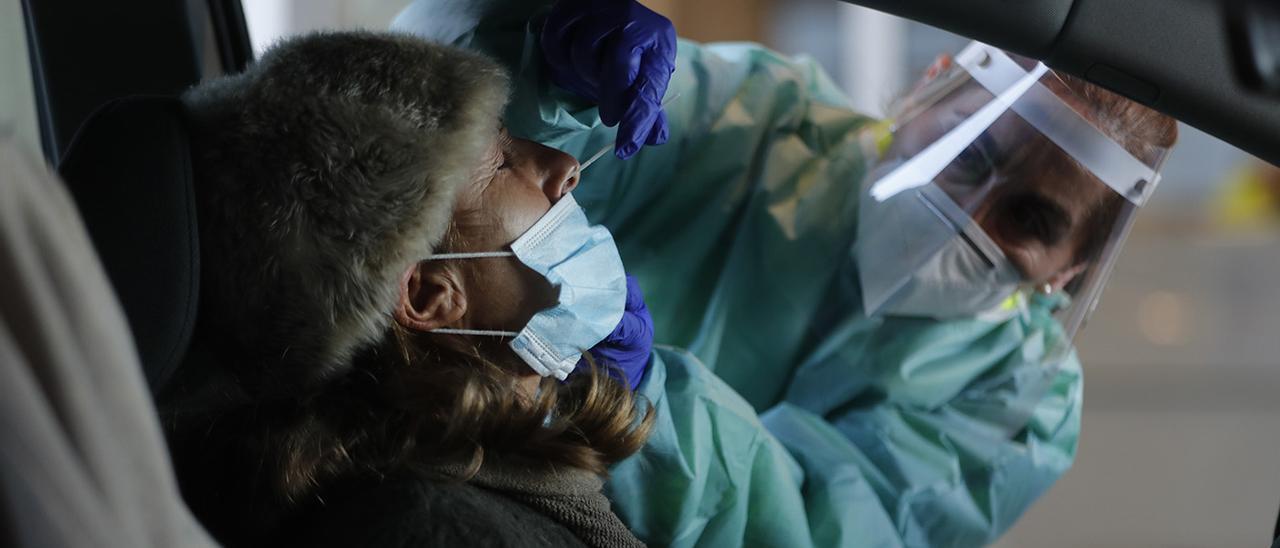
{"x":322,"y":172}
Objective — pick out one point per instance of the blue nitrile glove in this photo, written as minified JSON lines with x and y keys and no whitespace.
{"x":630,"y":344}
{"x":619,"y":55}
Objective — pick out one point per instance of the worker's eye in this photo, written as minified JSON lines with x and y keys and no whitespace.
{"x":973,"y":166}
{"x":1034,"y":218}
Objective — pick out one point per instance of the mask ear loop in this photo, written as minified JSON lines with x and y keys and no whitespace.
{"x":476,"y":332}
{"x":473,"y":255}
{"x":558,"y":209}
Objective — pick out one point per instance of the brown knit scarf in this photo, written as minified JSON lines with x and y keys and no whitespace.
{"x":570,"y":496}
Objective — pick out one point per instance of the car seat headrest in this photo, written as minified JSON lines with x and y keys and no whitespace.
{"x":129,"y":170}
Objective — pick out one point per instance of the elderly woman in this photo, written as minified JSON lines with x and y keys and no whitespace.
{"x":342,"y":182}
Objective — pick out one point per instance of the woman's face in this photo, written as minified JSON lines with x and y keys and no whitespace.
{"x":1031,"y":198}
{"x":513,"y":188}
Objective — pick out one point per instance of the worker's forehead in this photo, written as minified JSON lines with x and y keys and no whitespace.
{"x":1009,"y":154}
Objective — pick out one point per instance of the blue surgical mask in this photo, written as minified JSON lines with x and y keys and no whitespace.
{"x":582,"y":261}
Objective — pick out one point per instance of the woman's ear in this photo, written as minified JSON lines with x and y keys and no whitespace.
{"x":1061,"y":279}
{"x":431,"y":297}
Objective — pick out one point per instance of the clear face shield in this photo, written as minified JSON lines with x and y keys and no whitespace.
{"x":998,"y":187}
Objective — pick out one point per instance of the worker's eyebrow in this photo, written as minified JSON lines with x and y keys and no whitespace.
{"x":991,"y":147}
{"x":1037,"y":216}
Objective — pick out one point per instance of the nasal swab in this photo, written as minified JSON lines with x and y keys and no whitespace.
{"x":612,"y":146}
{"x":596,"y":156}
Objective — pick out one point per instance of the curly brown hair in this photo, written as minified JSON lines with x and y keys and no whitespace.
{"x":411,"y":401}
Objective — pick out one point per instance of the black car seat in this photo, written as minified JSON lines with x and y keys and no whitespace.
{"x":129,"y":170}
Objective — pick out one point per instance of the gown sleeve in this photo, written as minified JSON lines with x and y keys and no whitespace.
{"x":955,"y":444}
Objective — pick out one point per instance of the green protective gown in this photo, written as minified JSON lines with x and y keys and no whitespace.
{"x":792,"y":419}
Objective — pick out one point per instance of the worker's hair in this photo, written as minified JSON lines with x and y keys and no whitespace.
{"x":1144,"y":132}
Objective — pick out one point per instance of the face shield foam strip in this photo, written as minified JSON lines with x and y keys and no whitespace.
{"x":921,"y":169}
{"x":947,"y":210}
{"x":1065,"y":127}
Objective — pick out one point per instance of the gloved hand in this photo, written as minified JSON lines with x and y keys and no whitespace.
{"x":618,"y":54}
{"x":630,"y":344}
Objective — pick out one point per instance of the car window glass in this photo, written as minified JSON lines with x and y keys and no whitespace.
{"x":17,"y":91}
{"x":271,"y":20}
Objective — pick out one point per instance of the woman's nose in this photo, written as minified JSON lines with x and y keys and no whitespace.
{"x":561,"y":172}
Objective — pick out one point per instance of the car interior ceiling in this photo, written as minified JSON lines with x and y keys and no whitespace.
{"x":1209,"y":63}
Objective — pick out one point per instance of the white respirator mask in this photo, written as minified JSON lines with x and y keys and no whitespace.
{"x":955,"y":269}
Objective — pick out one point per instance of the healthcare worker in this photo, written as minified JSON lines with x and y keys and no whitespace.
{"x":895,"y":298}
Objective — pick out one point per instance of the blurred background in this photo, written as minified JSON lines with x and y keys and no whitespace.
{"x":1181,"y":439}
